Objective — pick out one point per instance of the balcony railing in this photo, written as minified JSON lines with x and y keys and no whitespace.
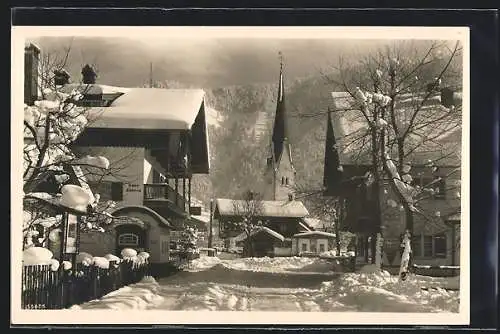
{"x":162,"y":191}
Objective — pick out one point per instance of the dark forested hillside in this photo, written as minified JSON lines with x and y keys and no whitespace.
{"x":238,"y":157}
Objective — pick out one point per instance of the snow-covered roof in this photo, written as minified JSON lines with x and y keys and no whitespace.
{"x":454,"y":217}
{"x":313,"y":222}
{"x":150,"y":108}
{"x":267,"y":230}
{"x":93,"y":89}
{"x":350,"y":127}
{"x":304,"y":227}
{"x":229,"y":207}
{"x":204,"y":217}
{"x":314,"y":233}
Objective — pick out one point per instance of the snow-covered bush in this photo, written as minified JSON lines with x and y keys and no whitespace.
{"x":128,"y":254}
{"x":100,"y":262}
{"x":36,"y":256}
{"x":54,"y":264}
{"x":67,"y":265}
{"x":84,"y":257}
{"x":144,"y":255}
{"x":50,"y":126}
{"x":112,"y":257}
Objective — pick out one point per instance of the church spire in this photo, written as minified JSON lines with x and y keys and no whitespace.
{"x":280,"y":129}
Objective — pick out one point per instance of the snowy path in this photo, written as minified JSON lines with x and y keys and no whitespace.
{"x":222,"y":289}
{"x":283,"y":284}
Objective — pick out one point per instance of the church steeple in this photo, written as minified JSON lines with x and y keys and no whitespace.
{"x":280,"y":171}
{"x":280,"y":130}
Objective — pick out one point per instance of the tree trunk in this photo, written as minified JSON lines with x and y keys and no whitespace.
{"x":337,"y":227}
{"x":409,"y":219}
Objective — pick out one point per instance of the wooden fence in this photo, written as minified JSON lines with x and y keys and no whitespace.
{"x":43,"y":288}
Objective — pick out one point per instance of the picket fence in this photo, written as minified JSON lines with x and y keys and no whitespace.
{"x":43,"y":288}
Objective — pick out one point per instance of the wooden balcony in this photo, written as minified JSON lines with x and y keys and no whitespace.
{"x":162,"y":192}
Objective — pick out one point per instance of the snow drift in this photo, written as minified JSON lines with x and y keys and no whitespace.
{"x":139,"y":296}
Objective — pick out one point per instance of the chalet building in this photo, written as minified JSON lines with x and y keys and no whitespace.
{"x":435,"y":235}
{"x":155,"y":140}
{"x":283,"y":219}
{"x":282,"y":215}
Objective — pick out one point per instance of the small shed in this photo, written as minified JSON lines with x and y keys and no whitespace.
{"x":312,"y":242}
{"x":264,"y":241}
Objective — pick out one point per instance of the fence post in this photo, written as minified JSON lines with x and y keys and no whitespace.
{"x":94,"y":274}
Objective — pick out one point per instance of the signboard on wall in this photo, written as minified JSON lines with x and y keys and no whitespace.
{"x":70,"y":246}
{"x":195,"y":210}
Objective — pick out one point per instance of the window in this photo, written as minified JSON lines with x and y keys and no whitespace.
{"x":282,"y":180}
{"x":108,"y":190}
{"x":438,"y":183}
{"x":304,"y":247}
{"x":417,"y":245}
{"x":427,"y":239}
{"x":440,"y":245}
{"x":164,"y":247}
{"x":283,"y":228}
{"x":128,"y":239}
{"x":117,"y":191}
{"x":361,"y":247}
{"x":321,"y":248}
{"x":286,"y":180}
{"x":430,"y":246}
{"x":156,"y":177}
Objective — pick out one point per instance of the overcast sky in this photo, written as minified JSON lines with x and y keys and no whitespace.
{"x":207,"y":62}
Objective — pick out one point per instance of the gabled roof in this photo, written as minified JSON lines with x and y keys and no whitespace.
{"x":314,"y":223}
{"x":151,"y":108}
{"x":314,"y":233}
{"x":93,"y":89}
{"x":349,"y":127}
{"x":264,"y":229}
{"x":229,"y":207}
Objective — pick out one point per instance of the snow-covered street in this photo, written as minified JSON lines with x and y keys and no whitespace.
{"x":283,"y":284}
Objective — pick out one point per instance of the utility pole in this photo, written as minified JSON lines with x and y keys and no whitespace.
{"x":151,"y":75}
{"x":210,"y":234}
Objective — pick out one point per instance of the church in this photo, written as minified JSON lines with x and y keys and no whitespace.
{"x":285,"y":231}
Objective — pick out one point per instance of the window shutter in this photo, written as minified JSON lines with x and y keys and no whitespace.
{"x":428,"y":246}
{"x":117,"y":191}
{"x":417,"y":245}
{"x":440,"y":245}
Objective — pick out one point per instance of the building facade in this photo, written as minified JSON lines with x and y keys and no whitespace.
{"x":436,"y":241}
{"x":282,"y":215}
{"x":154,"y":140}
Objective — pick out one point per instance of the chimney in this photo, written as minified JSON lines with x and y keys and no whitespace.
{"x":61,"y":77}
{"x":31,"y":73}
{"x":88,"y":75}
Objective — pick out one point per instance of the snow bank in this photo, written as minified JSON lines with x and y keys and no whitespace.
{"x":203,"y":263}
{"x":139,"y":296}
{"x":380,"y":291}
{"x":281,"y":264}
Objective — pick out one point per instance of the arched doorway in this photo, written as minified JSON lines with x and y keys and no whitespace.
{"x":130,"y":236}
{"x":142,"y":229}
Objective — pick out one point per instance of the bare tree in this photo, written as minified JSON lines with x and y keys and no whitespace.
{"x":248,"y":214}
{"x":51,"y":126}
{"x":402,"y":102}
